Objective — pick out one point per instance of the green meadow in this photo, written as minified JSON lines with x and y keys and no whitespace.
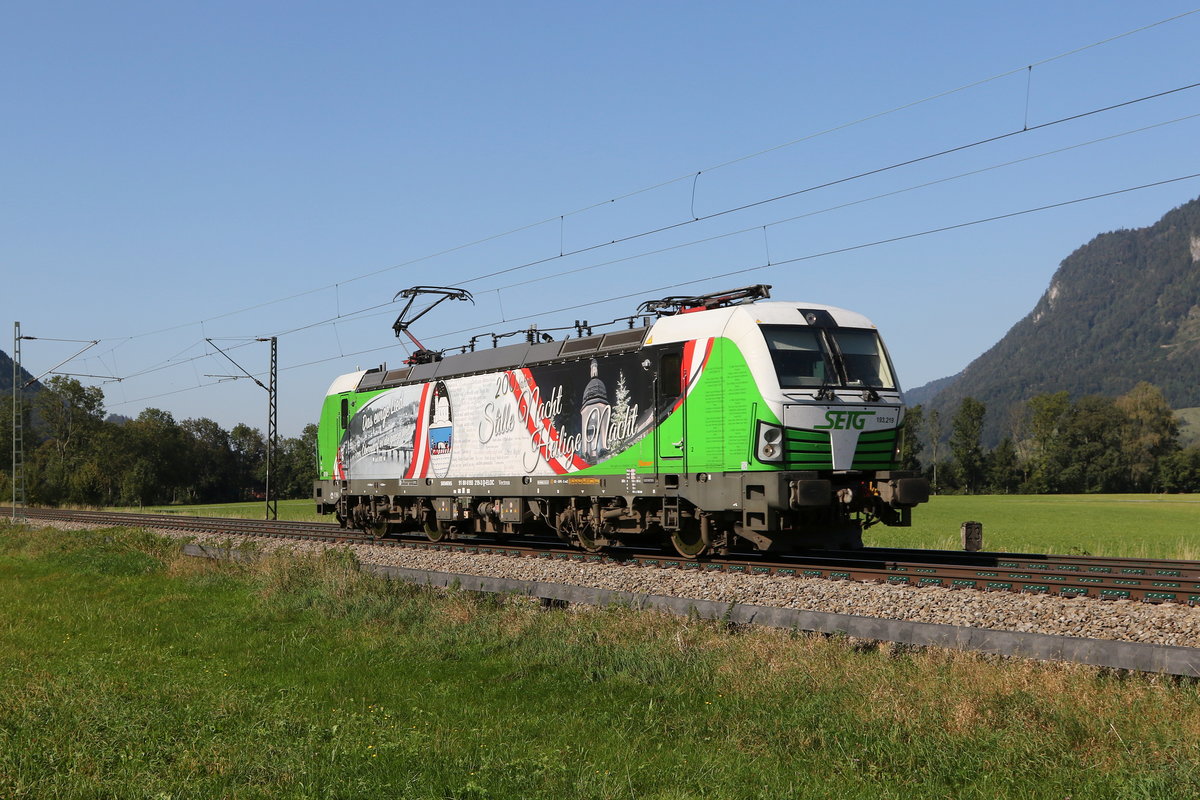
{"x":1130,"y":525}
{"x":130,"y":671}
{"x":290,"y":510}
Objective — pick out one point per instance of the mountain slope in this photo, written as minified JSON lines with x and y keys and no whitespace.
{"x":6,"y":376}
{"x":1123,"y":308}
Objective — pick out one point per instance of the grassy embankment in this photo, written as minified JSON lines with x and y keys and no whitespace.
{"x":129,"y":671}
{"x":1136,"y":525}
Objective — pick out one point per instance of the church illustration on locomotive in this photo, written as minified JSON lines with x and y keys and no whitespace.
{"x":716,"y":422}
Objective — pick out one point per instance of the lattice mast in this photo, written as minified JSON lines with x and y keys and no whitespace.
{"x":18,"y":430}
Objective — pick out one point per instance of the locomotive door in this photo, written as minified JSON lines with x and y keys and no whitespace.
{"x":671,"y":433}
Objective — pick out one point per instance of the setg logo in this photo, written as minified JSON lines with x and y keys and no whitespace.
{"x":844,"y":420}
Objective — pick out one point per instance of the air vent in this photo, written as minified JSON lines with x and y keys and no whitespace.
{"x":397,"y":375}
{"x":629,"y":338}
{"x":572,"y":347}
{"x":372,"y":380}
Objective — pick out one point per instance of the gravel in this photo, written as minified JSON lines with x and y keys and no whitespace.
{"x":1123,"y":620}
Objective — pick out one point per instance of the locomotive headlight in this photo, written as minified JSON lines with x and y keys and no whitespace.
{"x":770,"y":442}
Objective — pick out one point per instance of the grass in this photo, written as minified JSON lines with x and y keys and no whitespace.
{"x":290,"y":510}
{"x":130,"y":671}
{"x":1134,"y":525}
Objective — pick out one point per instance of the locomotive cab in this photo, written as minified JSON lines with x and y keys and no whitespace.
{"x":837,"y":434}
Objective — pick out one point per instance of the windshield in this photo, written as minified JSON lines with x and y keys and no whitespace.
{"x":808,"y":357}
{"x":799,"y":355}
{"x":862,"y":355}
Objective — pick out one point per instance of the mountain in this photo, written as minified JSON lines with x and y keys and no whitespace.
{"x":6,"y":376}
{"x":1123,"y":308}
{"x":923,"y":394}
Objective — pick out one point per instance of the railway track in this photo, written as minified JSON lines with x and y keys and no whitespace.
{"x":1147,"y":580}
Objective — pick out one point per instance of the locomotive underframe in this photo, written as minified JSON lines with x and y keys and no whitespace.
{"x":697,"y":513}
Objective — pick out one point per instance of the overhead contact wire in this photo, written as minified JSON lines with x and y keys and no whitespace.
{"x":363,"y":313}
{"x":730,"y":162}
{"x":782,"y":262}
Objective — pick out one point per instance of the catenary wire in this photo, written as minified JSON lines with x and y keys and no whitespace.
{"x":776,"y":198}
{"x":365,"y":313}
{"x":741,"y":271}
{"x":690,"y":175}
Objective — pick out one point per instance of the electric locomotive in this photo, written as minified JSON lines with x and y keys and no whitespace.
{"x":722,"y":421}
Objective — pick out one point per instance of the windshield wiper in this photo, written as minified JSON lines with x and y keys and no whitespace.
{"x":825,"y":393}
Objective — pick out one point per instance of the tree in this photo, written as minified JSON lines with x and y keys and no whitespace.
{"x":910,"y":438}
{"x":212,"y":470}
{"x":1150,"y":432}
{"x":1045,"y":414}
{"x":1003,"y":468}
{"x":6,"y":441}
{"x":6,"y":420}
{"x":1180,"y":471}
{"x":250,"y":459}
{"x":1018,"y":428}
{"x":295,"y":466}
{"x":966,"y":443}
{"x":160,"y":449}
{"x":69,"y":412}
{"x":97,"y":477}
{"x":1086,"y":454}
{"x":935,"y":436}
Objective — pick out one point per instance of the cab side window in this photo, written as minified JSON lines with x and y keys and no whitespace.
{"x":670,"y":374}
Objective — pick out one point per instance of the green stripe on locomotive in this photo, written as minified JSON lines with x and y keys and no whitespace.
{"x":876,"y":450}
{"x":716,"y":423}
{"x":330,"y":427}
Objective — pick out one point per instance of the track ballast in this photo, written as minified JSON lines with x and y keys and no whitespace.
{"x":1146,"y":580}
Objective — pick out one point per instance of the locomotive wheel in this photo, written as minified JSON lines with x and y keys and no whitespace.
{"x":435,"y":531}
{"x":689,"y":541}
{"x":587,"y":540}
{"x":377,"y":530}
{"x":577,"y":528}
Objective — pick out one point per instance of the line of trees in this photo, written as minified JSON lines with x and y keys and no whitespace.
{"x":1056,"y":445}
{"x":75,"y":455}
{"x":1095,"y":444}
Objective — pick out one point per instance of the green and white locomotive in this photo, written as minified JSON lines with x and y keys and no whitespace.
{"x":723,"y":422}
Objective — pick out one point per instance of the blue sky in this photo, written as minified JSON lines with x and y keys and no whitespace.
{"x":176,"y":171}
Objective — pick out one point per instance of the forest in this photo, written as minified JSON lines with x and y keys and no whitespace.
{"x":1055,"y":445}
{"x":76,"y":455}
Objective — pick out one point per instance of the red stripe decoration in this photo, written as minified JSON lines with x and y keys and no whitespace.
{"x":540,"y":427}
{"x":695,"y":356}
{"x":695,"y":359}
{"x":419,"y":466}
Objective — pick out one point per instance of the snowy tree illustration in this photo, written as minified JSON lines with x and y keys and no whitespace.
{"x":621,"y":412}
